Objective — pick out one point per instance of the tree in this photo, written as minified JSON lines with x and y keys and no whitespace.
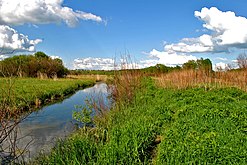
{"x":32,"y":66}
{"x":242,"y":61}
{"x":199,"y":64}
{"x":204,"y":64}
{"x":191,"y":64}
{"x":41,"y":55}
{"x":162,"y":68}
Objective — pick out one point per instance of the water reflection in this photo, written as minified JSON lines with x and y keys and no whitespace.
{"x":48,"y":124}
{"x":98,"y":88}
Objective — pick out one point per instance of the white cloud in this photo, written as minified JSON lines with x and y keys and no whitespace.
{"x":221,"y":59}
{"x":227,"y":31}
{"x":55,"y":57}
{"x":11,"y":40}
{"x":155,"y":57}
{"x":2,"y":57}
{"x":166,"y":58}
{"x":220,"y":66}
{"x":91,"y":63}
{"x":19,"y":12}
{"x":94,"y":63}
{"x":148,"y":63}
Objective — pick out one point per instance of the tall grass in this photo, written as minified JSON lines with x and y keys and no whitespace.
{"x":194,"y":78}
{"x":126,"y":81}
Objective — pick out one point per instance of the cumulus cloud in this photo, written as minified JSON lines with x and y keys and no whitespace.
{"x":167,"y":58}
{"x":2,"y":57}
{"x":220,"y":66}
{"x":155,"y":57}
{"x":148,"y":63}
{"x":227,"y":31}
{"x":55,"y":57}
{"x":19,"y":12}
{"x":91,"y":63}
{"x":94,"y":63}
{"x":11,"y":40}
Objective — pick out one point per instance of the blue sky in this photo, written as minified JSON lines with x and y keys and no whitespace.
{"x":140,"y":27}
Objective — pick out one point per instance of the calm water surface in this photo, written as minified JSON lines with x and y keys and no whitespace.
{"x":42,"y":128}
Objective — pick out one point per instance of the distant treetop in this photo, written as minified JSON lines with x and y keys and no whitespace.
{"x":41,"y":55}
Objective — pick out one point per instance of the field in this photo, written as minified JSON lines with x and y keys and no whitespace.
{"x":163,"y":126}
{"x":26,"y":92}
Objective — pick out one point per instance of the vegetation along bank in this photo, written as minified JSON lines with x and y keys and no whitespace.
{"x":163,"y":126}
{"x":25,"y":93}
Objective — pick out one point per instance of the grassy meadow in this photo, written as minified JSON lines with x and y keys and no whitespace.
{"x":156,"y":123}
{"x":28,"y":92}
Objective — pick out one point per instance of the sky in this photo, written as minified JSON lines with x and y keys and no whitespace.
{"x":93,"y":34}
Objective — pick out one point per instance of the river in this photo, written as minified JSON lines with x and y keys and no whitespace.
{"x":44,"y":127}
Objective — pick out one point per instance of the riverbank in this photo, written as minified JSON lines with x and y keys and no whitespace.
{"x":163,"y":126}
{"x":40,"y":130}
{"x":26,"y":93}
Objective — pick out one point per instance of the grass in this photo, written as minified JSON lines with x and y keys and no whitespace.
{"x":25,"y":92}
{"x":206,"y":127}
{"x":194,"y":78}
{"x":164,"y":126}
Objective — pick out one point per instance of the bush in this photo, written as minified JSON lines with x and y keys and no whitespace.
{"x":35,"y":65}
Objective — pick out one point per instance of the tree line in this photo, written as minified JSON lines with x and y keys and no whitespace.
{"x":199,"y":64}
{"x":41,"y":65}
{"x":35,"y":65}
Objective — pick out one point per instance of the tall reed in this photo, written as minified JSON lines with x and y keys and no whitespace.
{"x":126,"y":81}
{"x":192,"y":78}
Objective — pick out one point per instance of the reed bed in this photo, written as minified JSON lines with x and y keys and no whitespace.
{"x":196,"y":78}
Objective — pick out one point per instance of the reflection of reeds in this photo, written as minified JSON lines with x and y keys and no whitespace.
{"x":192,"y":78}
{"x":9,"y":119}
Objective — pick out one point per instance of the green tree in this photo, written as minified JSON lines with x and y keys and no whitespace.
{"x":41,"y":55}
{"x":204,"y":64}
{"x":199,"y":64}
{"x":31,"y":65}
{"x":191,"y":64}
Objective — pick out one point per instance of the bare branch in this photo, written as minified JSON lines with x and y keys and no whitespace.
{"x":242,"y":61}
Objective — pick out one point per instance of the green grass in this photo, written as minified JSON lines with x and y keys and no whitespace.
{"x":195,"y":127}
{"x":206,"y":127}
{"x":23,"y":92}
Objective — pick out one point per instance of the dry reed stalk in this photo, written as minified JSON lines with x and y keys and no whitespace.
{"x":125,"y":84}
{"x":192,"y":78}
{"x":126,"y":81}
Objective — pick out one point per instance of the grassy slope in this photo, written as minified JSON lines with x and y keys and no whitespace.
{"x":195,"y":127}
{"x":24,"y":91}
